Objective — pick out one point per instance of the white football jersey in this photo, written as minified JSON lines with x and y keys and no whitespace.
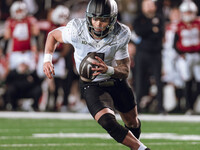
{"x":111,"y":48}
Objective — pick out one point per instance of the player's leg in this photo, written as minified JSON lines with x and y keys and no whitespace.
{"x":105,"y":117}
{"x":125,"y":103}
{"x":196,"y":71}
{"x":10,"y":97}
{"x":95,"y":96}
{"x":107,"y":120}
{"x":132,"y":122}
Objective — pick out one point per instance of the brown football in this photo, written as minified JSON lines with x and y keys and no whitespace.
{"x":85,"y":69}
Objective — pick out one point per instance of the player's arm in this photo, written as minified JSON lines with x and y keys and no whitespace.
{"x":121,"y":71}
{"x":176,"y":39}
{"x":7,"y":30}
{"x":6,"y":36}
{"x":53,"y":38}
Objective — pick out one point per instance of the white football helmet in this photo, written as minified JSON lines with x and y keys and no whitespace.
{"x":18,"y":10}
{"x":186,"y":7}
{"x":60,"y":15}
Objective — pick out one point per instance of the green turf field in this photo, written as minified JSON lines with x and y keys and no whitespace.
{"x":56,"y":134}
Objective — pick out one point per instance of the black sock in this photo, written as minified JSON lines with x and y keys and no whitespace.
{"x":136,"y":131}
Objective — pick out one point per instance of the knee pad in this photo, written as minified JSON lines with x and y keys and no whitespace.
{"x":110,"y":124}
{"x":136,"y":131}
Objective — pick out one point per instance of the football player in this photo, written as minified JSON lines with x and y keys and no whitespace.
{"x":58,"y":17}
{"x":169,"y":55}
{"x":187,"y":44}
{"x":21,"y":29}
{"x":101,"y":33}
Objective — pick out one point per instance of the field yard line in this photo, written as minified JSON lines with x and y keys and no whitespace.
{"x":86,"y":144}
{"x":56,"y":144}
{"x":169,"y":136}
{"x":86,"y":116}
{"x":73,"y":135}
{"x":173,"y":143}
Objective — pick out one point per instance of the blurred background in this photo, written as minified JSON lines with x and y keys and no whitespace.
{"x":25,"y":24}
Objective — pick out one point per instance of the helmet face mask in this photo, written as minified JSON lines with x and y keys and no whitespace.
{"x":188,"y":11}
{"x":18,"y":10}
{"x":104,"y":10}
{"x":188,"y":16}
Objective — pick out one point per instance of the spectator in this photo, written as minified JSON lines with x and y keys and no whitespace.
{"x":127,"y":9}
{"x":22,"y":83}
{"x":149,"y":26}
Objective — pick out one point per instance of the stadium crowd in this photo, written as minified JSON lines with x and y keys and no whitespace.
{"x":164,"y":52}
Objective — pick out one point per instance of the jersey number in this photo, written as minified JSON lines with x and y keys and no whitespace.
{"x":190,"y":37}
{"x":101,"y":55}
{"x":21,"y":32}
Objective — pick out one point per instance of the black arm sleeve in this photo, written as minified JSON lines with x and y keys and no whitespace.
{"x":5,"y":46}
{"x":176,"y":37}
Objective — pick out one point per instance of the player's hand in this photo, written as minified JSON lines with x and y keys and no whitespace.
{"x":102,"y":67}
{"x":48,"y":69}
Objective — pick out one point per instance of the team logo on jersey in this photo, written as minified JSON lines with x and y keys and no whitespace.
{"x":111,"y":44}
{"x":84,"y":42}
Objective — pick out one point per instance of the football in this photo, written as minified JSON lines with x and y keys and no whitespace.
{"x":85,"y":69}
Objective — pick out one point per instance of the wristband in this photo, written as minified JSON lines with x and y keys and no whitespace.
{"x":142,"y":147}
{"x":110,"y":70}
{"x":47,"y":58}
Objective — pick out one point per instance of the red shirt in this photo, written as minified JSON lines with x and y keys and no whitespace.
{"x":20,"y":33}
{"x":189,"y":36}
